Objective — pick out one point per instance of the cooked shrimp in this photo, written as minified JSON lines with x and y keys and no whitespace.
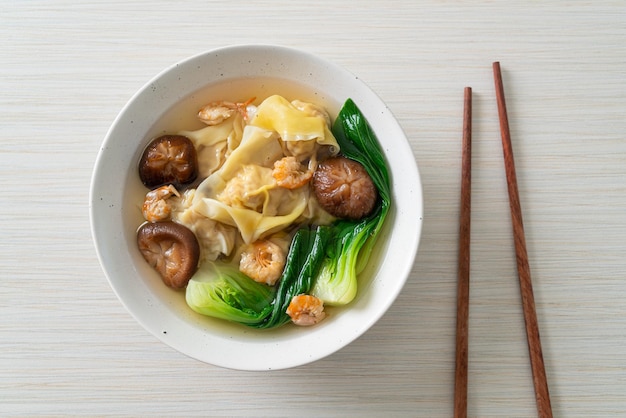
{"x":306,"y":310}
{"x":263,"y":261}
{"x":290,"y":173}
{"x":215,"y":113}
{"x":155,"y":206}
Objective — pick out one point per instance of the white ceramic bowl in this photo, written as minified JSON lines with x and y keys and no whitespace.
{"x":171,"y":99}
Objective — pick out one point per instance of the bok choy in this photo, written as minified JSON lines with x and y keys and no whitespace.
{"x":353,"y":240}
{"x":222,"y":291}
{"x":303,"y":265}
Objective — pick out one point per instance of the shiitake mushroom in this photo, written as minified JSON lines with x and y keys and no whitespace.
{"x":171,"y":249}
{"x":169,"y":159}
{"x":344,"y":188}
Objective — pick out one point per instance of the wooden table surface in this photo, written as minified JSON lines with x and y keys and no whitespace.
{"x":69,"y":347}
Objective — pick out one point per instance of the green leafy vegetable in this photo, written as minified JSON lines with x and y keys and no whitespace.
{"x":303,"y":265}
{"x":222,"y":291}
{"x":337,"y":282}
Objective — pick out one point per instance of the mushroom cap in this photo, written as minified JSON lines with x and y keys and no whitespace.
{"x":172,"y":249}
{"x":344,"y":188}
{"x":169,"y":159}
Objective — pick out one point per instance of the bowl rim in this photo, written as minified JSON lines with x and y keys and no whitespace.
{"x":320,"y":351}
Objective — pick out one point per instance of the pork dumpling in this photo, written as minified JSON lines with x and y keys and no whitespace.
{"x":243,"y":193}
{"x":294,"y":122}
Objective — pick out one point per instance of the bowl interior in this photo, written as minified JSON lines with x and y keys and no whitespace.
{"x":168,"y":103}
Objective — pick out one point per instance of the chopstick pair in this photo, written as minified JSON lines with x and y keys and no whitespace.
{"x":542,"y":395}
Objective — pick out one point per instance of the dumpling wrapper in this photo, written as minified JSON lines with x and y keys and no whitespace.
{"x":259,"y":148}
{"x":215,"y":238}
{"x":215,"y":143}
{"x":292,"y":123}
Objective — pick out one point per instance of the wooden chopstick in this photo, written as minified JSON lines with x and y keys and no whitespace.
{"x":462,"y":313}
{"x":540,"y":382}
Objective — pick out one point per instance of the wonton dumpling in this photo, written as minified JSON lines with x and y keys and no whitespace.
{"x":297,"y":122}
{"x":251,"y":224}
{"x":215,"y":238}
{"x":249,"y":188}
{"x":244,"y":194}
{"x":211,"y":135}
{"x":215,"y":143}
